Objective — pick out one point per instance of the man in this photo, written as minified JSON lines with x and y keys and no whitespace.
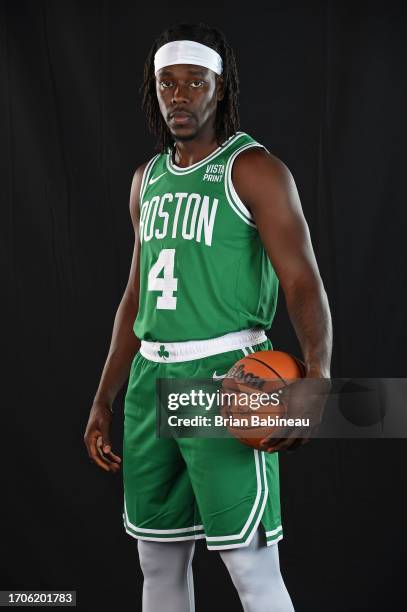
{"x":218,"y":224}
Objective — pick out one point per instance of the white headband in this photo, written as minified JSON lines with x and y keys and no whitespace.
{"x":187,"y":52}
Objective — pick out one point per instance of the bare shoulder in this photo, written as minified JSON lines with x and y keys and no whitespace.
{"x":257,"y":172}
{"x":258,"y":164}
{"x":134,"y":204}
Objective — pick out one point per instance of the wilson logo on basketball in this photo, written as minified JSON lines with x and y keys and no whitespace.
{"x":239,"y":374}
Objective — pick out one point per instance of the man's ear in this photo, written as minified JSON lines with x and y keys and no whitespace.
{"x":219,"y":88}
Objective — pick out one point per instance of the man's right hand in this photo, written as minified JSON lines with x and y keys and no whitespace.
{"x":97,"y":438}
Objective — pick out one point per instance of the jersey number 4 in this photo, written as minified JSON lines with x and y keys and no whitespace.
{"x":167,"y":284}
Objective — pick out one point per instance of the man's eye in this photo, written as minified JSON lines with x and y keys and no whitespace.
{"x":196,"y":84}
{"x":165,"y":84}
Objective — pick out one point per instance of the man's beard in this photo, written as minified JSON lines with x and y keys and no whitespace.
{"x":184,"y":137}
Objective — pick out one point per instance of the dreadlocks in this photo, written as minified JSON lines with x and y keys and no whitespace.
{"x":227,"y":115}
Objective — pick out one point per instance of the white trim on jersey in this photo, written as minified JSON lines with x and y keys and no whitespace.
{"x":178,"y":170}
{"x":146,"y":176}
{"x":231,"y":194}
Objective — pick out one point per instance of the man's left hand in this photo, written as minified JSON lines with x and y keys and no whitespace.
{"x":303,"y":399}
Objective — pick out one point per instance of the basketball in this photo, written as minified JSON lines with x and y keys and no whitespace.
{"x":250,"y":394}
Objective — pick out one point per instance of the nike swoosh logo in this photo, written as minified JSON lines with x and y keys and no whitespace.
{"x":218,"y":376}
{"x":153,"y":180}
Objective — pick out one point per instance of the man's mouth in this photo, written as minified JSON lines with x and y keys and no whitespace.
{"x":180,"y":117}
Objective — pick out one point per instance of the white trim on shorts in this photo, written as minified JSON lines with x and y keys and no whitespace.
{"x":225,"y":542}
{"x":172,"y":352}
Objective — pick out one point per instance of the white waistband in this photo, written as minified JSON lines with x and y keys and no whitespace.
{"x":171,"y":352}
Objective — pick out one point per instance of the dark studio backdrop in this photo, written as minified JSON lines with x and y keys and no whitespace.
{"x":323,"y":87}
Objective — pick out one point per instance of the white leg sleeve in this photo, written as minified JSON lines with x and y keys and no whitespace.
{"x":167,"y":569}
{"x":255,"y":572}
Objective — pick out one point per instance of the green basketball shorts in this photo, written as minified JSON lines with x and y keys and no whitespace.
{"x":191,"y":488}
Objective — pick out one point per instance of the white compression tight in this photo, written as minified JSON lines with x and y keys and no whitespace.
{"x":254,"y":569}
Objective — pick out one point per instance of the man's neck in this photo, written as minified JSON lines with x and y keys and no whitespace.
{"x":189,"y":152}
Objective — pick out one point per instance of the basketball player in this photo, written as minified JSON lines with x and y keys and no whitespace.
{"x":218,"y":224}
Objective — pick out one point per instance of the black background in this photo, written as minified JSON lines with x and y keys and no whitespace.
{"x":323,"y":87}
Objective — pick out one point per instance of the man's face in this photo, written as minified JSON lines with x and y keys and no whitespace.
{"x":188,"y":96}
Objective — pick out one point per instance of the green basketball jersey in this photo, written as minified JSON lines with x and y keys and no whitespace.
{"x":203,"y":268}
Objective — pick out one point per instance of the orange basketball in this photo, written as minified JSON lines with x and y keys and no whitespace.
{"x":250,"y":394}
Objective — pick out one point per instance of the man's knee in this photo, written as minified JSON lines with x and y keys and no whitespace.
{"x":255,"y":572}
{"x":165,"y":560}
{"x":240,"y":568}
{"x":151,"y":563}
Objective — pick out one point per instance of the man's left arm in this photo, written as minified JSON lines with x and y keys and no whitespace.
{"x":267,"y":188}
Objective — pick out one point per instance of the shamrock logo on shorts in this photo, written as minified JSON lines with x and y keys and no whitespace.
{"x":162,"y":352}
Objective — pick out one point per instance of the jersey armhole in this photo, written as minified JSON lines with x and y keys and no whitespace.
{"x":235,"y":202}
{"x":146,"y":176}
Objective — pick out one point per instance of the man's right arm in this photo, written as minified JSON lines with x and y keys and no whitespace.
{"x":123,"y":347}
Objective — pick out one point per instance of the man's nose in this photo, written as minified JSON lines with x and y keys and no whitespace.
{"x":180,"y":93}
